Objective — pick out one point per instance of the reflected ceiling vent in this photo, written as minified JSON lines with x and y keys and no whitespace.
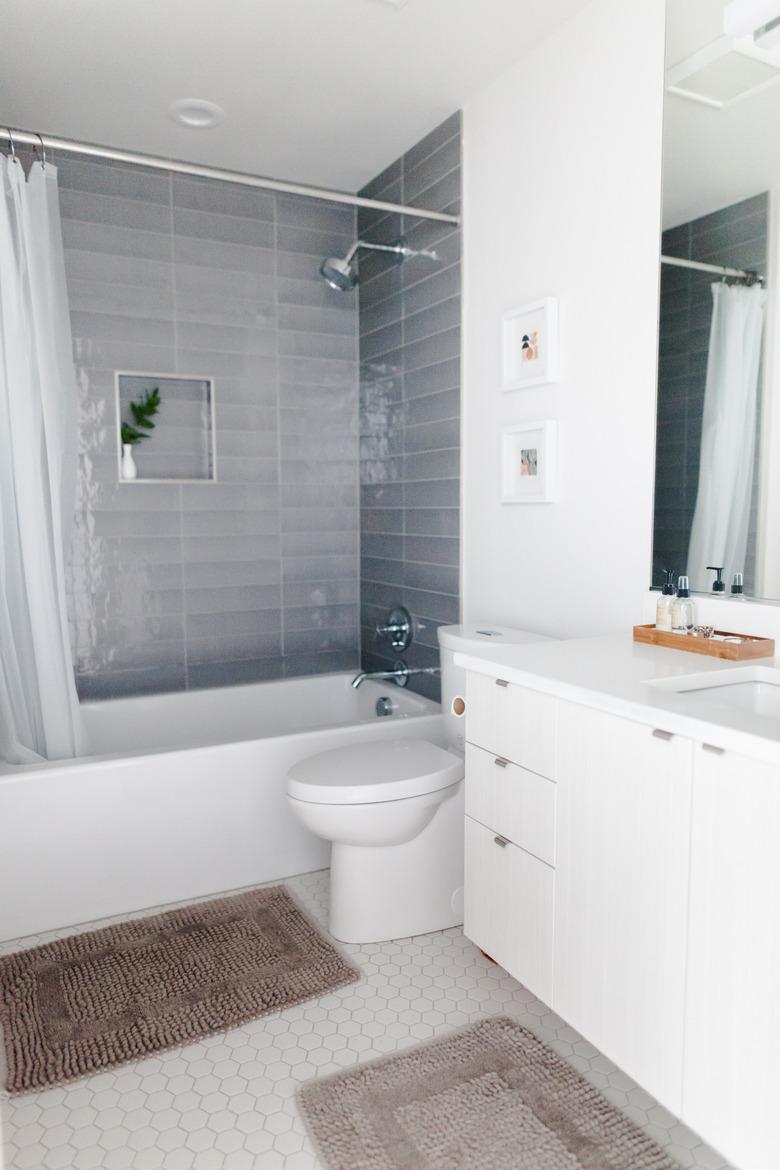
{"x":725,"y":71}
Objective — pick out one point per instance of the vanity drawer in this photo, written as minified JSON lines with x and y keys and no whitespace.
{"x":512,"y":801}
{"x":511,"y":721}
{"x":508,"y":912}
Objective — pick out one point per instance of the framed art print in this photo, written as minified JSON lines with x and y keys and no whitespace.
{"x":529,"y":341}
{"x":529,"y":463}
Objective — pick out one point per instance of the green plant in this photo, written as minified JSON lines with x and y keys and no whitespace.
{"x":143,"y":411}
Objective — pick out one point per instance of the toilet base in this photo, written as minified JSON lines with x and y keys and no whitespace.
{"x":379,"y":892}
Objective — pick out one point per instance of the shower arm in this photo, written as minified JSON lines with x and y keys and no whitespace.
{"x":396,"y":249}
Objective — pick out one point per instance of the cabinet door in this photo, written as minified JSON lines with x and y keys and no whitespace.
{"x":731,"y":1087}
{"x":621,"y":892}
{"x":511,"y":721}
{"x":512,"y":801}
{"x":509,"y":907}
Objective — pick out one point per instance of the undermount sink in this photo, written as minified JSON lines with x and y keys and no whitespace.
{"x":752,"y":689}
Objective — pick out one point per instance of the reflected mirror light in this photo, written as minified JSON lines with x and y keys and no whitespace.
{"x":717,"y":490}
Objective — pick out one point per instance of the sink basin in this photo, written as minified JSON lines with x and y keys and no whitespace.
{"x":754,"y":690}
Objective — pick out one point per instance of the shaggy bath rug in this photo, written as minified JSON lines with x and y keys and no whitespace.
{"x":95,"y":1000}
{"x":487,"y":1097}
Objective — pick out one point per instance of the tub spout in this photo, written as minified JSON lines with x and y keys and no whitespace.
{"x":400,"y":674}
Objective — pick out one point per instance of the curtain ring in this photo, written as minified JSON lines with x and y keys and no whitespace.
{"x":43,"y":150}
{"x":11,"y":144}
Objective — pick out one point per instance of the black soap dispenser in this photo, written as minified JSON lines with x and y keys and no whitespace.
{"x":718,"y":585}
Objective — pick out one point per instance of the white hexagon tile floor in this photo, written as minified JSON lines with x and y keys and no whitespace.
{"x":228,"y":1102}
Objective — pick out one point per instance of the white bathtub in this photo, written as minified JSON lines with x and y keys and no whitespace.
{"x":181,"y":795}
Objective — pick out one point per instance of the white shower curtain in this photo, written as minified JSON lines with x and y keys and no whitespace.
{"x":39,"y":712}
{"x":719,"y":532}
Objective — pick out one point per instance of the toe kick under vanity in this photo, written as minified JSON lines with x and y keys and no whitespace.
{"x":623,"y":862}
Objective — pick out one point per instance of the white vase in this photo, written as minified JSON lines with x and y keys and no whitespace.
{"x":129,"y":469}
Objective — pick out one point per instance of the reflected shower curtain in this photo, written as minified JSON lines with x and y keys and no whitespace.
{"x":39,"y":712}
{"x":719,"y":532}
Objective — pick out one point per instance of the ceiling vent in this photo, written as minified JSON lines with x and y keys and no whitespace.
{"x":395,"y":3}
{"x":725,"y":71}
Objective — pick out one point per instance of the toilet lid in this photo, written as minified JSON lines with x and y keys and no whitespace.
{"x":367,"y":773}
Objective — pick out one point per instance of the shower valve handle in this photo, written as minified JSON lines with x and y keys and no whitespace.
{"x":398,"y":628}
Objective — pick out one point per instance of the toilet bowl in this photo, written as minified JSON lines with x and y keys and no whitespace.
{"x":393,"y":811}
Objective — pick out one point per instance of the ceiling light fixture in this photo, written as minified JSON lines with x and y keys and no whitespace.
{"x":196,"y":113}
{"x":741,"y":18}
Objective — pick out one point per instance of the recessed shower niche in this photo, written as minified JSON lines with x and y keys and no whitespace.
{"x":165,"y":428}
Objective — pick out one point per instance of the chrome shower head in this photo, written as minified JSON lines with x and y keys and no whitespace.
{"x":339,"y":273}
{"x":343,"y":275}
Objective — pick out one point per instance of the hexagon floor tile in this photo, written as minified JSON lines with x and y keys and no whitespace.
{"x":227,"y":1103}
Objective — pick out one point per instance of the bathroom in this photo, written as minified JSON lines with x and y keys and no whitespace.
{"x":344,"y":740}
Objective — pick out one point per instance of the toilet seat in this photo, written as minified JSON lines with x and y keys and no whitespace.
{"x":374,"y":772}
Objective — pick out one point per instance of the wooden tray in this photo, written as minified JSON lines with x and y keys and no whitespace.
{"x":735,"y":651}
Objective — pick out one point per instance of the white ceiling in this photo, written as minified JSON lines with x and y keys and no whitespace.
{"x":319,"y":91}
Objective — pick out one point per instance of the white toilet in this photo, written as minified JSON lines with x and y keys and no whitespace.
{"x":393,"y":810}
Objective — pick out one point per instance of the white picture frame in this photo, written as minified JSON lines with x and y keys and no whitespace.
{"x":529,"y":463}
{"x":529,"y":345}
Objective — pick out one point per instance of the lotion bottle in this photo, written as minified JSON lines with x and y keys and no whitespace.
{"x":683,"y":608}
{"x":663,"y":610}
{"x":738,"y":588}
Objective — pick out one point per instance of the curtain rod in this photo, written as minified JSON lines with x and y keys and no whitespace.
{"x":718,"y":269}
{"x":175,"y":166}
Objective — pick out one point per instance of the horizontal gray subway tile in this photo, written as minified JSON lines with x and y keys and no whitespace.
{"x":376,"y":520}
{"x":434,"y":550}
{"x":432,"y":350}
{"x":220,"y":254}
{"x":425,"y":604}
{"x":255,"y":390}
{"x":383,"y":313}
{"x":123,"y":355}
{"x":379,"y":288}
{"x":385,"y":545}
{"x":322,"y":372}
{"x":196,"y":549}
{"x":321,"y":617}
{"x":433,"y":379}
{"x":125,"y":300}
{"x":208,"y":309}
{"x":319,"y":519}
{"x":170,"y":465}
{"x":122,"y":329}
{"x":426,"y":633}
{"x":433,"y":436}
{"x":430,"y":321}
{"x":390,"y":176}
{"x":377,"y":593}
{"x":342,"y":347}
{"x":335,"y":472}
{"x":193,"y":280}
{"x":262,"y":444}
{"x":430,"y":408}
{"x":134,"y":550}
{"x":327,"y":662}
{"x":204,"y":676}
{"x":104,"y":268}
{"x":384,"y":340}
{"x":135,"y":523}
{"x":389,"y":572}
{"x":440,"y":285}
{"x":224,"y":199}
{"x":208,"y":574}
{"x":100,"y":178}
{"x":384,"y":448}
{"x":387,"y":469}
{"x":319,"y":640}
{"x":317,"y":593}
{"x":240,"y":366}
{"x":440,"y":134}
{"x":226,"y":339}
{"x":229,"y":229}
{"x":434,"y":578}
{"x":211,"y":497}
{"x":310,"y":242}
{"x":431,"y":521}
{"x":317,"y":319}
{"x":311,"y":290}
{"x":123,"y":684}
{"x":231,"y":624}
{"x":115,"y":210}
{"x":335,"y":419}
{"x":228,"y":648}
{"x":444,"y":493}
{"x":437,"y":465}
{"x":232,"y":599}
{"x":319,"y":214}
{"x":307,"y":495}
{"x":116,"y":241}
{"x":245,"y":418}
{"x":442,"y":194}
{"x":381,"y":495}
{"x":245,"y":522}
{"x":306,"y":544}
{"x":440,"y":163}
{"x":307,"y":399}
{"x":447,"y":247}
{"x":142,"y":654}
{"x":323,"y":568}
{"x":326,"y":449}
{"x":133,"y":497}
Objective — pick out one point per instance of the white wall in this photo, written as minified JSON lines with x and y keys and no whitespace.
{"x":562,"y":197}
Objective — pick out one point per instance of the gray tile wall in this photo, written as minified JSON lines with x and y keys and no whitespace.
{"x":410,"y":406}
{"x":256,"y":576}
{"x":735,"y":236}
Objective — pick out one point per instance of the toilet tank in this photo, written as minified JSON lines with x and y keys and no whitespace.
{"x":463,"y":639}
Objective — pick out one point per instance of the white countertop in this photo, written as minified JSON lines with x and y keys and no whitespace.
{"x":614,"y":674}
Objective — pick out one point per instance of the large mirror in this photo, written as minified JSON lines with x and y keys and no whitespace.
{"x":717,"y":490}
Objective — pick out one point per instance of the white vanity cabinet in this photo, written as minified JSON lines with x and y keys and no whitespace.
{"x":731,"y":1082}
{"x":624,"y":797}
{"x":510,"y":828}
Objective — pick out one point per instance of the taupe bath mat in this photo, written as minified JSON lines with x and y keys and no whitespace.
{"x":95,"y":1000}
{"x":487,"y":1097}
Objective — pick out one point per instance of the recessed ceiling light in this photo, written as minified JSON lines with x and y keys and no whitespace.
{"x":196,"y":113}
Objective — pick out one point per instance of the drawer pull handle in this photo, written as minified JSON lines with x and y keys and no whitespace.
{"x":500,"y":762}
{"x":501,"y":682}
{"x":502,"y":841}
{"x":659,"y":733}
{"x":716,"y":751}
